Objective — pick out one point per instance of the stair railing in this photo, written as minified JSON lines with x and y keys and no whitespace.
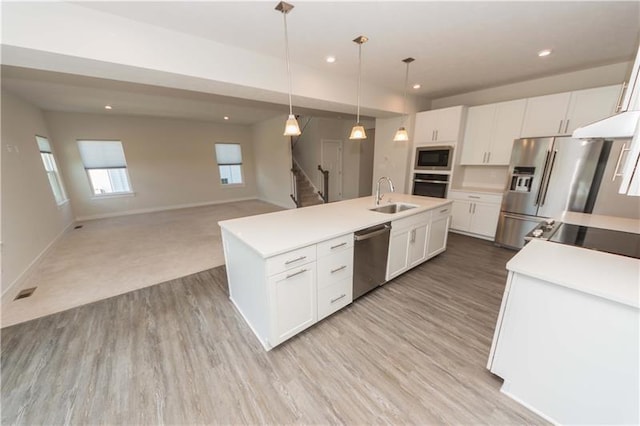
{"x":295,"y":196}
{"x":325,"y":184}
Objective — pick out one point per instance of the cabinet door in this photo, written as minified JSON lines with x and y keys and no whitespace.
{"x":292,"y":302}
{"x":590,"y":105}
{"x":425,"y":127}
{"x":545,"y":115}
{"x":461,"y":215}
{"x":398,"y":254}
{"x":484,"y":219}
{"x":448,"y":121}
{"x":507,"y":128}
{"x":437,"y":236}
{"x":477,"y":134}
{"x":418,"y":245}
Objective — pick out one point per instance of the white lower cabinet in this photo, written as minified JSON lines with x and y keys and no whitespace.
{"x":417,"y":252}
{"x":398,"y":259}
{"x":476,"y":214}
{"x":335,"y":275}
{"x":293,"y":301}
{"x":438,"y":231}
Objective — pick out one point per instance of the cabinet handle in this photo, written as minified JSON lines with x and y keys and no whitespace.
{"x":560,"y":126}
{"x":333,"y":271}
{"x":297,"y":259}
{"x":566,"y":127}
{"x":488,"y":157}
{"x":337,"y":298}
{"x":301,"y":271}
{"x":413,"y":236}
{"x":474,"y":208}
{"x":475,"y":197}
{"x":470,"y":204}
{"x":444,"y":210}
{"x":484,"y":157}
{"x":339,"y":245}
{"x":619,"y":101}
{"x":433,"y":135}
{"x":615,"y":172}
{"x":436,"y":134}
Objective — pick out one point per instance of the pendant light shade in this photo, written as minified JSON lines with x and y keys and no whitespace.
{"x":401,"y":134}
{"x":358,"y":131}
{"x":291,"y":127}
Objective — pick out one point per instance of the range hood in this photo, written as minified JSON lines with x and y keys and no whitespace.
{"x":619,"y":126}
{"x":622,"y":125}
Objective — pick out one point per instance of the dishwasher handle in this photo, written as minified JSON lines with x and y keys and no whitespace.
{"x":373,"y":233}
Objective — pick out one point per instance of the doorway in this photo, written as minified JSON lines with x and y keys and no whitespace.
{"x":331,"y":160}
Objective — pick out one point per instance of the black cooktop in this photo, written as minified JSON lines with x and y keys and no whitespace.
{"x":616,"y":242}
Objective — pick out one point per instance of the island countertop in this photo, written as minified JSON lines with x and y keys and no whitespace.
{"x":275,"y":233}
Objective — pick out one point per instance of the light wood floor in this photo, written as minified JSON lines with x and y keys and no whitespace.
{"x":411,"y":352}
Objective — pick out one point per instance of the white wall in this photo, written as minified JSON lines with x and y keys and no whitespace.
{"x":577,"y":80}
{"x":31,"y":219}
{"x":391,"y":158}
{"x":273,"y":162}
{"x":171,"y":162}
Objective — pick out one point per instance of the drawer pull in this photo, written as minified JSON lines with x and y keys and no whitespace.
{"x":338,"y":298}
{"x":297,"y":259}
{"x":333,"y":271}
{"x":474,"y":196}
{"x":444,"y":210}
{"x":339,"y":245}
{"x":301,"y":271}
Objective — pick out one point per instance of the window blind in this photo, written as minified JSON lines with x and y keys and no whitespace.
{"x":102,"y":154}
{"x":43,"y":144}
{"x":228,"y":153}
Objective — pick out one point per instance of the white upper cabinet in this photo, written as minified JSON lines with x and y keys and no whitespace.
{"x":490,"y":131}
{"x":439,"y":126}
{"x":562,"y":113}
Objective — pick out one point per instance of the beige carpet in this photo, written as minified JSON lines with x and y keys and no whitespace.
{"x":107,"y":257}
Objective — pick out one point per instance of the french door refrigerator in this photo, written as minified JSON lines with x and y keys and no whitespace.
{"x":546,"y":177}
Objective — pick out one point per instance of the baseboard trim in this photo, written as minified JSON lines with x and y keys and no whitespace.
{"x":161,"y":209}
{"x":470,"y":234}
{"x":25,"y":273}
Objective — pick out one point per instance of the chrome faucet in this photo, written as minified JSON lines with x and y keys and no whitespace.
{"x":378,"y":194}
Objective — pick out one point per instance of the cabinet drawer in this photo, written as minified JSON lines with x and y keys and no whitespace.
{"x":476,"y":197}
{"x":410,"y":222}
{"x":441,"y":212}
{"x":334,"y":268}
{"x":334,"y":297}
{"x":335,"y":245}
{"x":290,"y":259}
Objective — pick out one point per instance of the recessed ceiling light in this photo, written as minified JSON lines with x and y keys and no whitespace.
{"x":226,"y":117}
{"x":330,"y":59}
{"x":107,"y":107}
{"x":545,"y":52}
{"x":416,"y":86}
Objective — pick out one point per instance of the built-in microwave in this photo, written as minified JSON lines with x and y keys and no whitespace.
{"x":434,"y":157}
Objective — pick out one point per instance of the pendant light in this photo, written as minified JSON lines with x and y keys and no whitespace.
{"x":291,"y":127}
{"x":358,"y":131}
{"x":401,"y":134}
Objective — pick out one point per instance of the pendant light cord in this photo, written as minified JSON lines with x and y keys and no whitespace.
{"x":404,"y":101}
{"x":359,"y":78}
{"x":286,"y":43}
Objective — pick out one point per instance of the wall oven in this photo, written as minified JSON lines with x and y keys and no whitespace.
{"x":434,"y":158}
{"x":430,"y":185}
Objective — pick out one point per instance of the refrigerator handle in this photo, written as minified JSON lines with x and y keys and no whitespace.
{"x":544,"y":175}
{"x":546,"y":186}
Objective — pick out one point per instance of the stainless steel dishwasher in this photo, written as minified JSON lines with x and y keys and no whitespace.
{"x":370,"y":258}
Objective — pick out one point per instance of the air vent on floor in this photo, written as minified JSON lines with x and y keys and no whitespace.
{"x":25,"y":293}
{"x":77,"y":227}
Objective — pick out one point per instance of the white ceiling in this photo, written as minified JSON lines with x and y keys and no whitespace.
{"x":458,"y":46}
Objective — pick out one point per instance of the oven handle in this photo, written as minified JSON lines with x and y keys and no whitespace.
{"x":431,"y":181}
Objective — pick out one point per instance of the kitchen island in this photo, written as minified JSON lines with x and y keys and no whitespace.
{"x":289,"y":269}
{"x":567,"y":337}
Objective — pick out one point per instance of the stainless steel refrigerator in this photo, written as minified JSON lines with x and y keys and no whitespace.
{"x":546,"y":177}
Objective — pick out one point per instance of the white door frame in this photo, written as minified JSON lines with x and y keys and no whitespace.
{"x":340,"y":150}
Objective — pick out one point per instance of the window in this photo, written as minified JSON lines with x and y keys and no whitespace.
{"x":106,"y":166}
{"x":52,"y":170}
{"x":229,"y":157}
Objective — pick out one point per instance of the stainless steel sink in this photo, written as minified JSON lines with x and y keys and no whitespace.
{"x":393,"y":208}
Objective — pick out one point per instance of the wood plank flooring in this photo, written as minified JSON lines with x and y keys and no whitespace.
{"x":411,"y":352}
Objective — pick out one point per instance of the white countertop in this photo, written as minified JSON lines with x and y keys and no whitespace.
{"x":274,"y":233}
{"x":598,"y":221}
{"x":606,"y":275}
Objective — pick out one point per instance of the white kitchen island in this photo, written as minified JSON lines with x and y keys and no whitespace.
{"x":568,"y":334}
{"x":289,"y":269}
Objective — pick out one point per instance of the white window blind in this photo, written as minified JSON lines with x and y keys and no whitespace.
{"x":228,"y":153}
{"x":43,"y":144}
{"x":102,"y":154}
{"x":52,"y":170}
